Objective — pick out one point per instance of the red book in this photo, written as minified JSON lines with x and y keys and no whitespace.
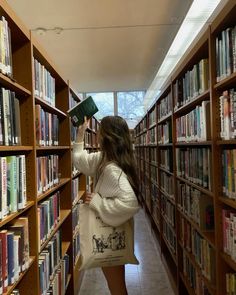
{"x":3,"y":238}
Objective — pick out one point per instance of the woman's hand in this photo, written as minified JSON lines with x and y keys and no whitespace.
{"x":81,"y":130}
{"x":88,"y":198}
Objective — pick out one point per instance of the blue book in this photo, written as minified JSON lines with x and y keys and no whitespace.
{"x":11,"y":263}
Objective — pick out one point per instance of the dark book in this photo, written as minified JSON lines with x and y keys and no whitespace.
{"x":11,"y":263}
{"x":86,"y":107}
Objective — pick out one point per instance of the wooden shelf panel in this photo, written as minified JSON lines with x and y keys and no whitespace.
{"x":165,"y":145}
{"x":14,"y":86}
{"x":62,"y":182}
{"x":50,"y":108}
{"x":193,"y":143}
{"x":172,"y":278}
{"x":202,"y":189}
{"x":173,"y":255}
{"x":165,"y":170}
{"x":207,"y":235}
{"x":228,"y":201}
{"x":63,"y":215}
{"x":15,"y":148}
{"x":14,"y":286}
{"x":170,"y":198}
{"x":193,"y":103}
{"x":52,"y":148}
{"x":65,"y":247}
{"x":152,"y":126}
{"x":226,"y":82}
{"x":80,"y":195}
{"x":211,"y":286}
{"x":12,"y":216}
{"x":229,"y":260}
{"x":76,"y":175}
{"x":187,"y":285}
{"x":226,"y":142}
{"x":164,"y":119}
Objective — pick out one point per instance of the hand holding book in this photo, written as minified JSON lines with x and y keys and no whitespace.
{"x":86,"y":108}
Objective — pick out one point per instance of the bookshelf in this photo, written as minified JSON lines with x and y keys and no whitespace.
{"x":195,"y":156}
{"x":36,"y":139}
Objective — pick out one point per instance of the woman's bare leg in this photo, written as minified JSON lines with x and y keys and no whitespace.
{"x":115,"y":276}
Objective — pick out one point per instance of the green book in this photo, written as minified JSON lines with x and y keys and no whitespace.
{"x":86,"y":107}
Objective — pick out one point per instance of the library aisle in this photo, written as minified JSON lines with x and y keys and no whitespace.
{"x":147,"y":278}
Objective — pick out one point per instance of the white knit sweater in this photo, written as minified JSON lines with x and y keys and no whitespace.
{"x":113,"y":198}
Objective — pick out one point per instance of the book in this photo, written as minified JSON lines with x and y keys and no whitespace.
{"x":86,"y":107}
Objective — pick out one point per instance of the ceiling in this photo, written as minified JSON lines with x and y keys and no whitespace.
{"x":105,"y":45}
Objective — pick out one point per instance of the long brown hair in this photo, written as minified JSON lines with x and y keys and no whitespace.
{"x":116,"y":146}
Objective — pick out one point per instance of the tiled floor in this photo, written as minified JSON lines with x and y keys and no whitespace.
{"x":148,"y":278}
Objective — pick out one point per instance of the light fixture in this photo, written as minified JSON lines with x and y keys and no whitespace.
{"x":40,"y":31}
{"x":196,"y":18}
{"x":58,"y":30}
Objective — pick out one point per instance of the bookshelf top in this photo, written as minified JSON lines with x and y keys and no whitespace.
{"x":18,"y":28}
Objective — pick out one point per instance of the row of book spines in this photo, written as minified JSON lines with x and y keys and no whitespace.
{"x":164,"y":133}
{"x":5,"y":48}
{"x":75,"y":217}
{"x":73,"y":102}
{"x":47,"y":172}
{"x":230,"y":279}
{"x":194,"y":164}
{"x":193,"y":83}
{"x":76,"y":247}
{"x":153,"y":175}
{"x":194,"y":277}
{"x":170,"y":236}
{"x":48,"y":217}
{"x":75,"y":189}
{"x":44,"y":83}
{"x":14,"y":252}
{"x":143,"y":124}
{"x":10,"y":127}
{"x":166,"y":161}
{"x":194,"y":126}
{"x":200,"y":248}
{"x":167,"y":183}
{"x":49,"y":262}
{"x":151,"y":136}
{"x":47,"y":127}
{"x":229,"y":173}
{"x":197,"y":206}
{"x":12,"y":184}
{"x":88,"y":139}
{"x":164,"y":108}
{"x":225,"y":53}
{"x":229,"y":232}
{"x":168,"y":209}
{"x":227,"y":102}
{"x":59,"y":282}
{"x":152,"y":117}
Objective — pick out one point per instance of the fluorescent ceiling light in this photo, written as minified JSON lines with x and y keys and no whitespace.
{"x":197,"y":16}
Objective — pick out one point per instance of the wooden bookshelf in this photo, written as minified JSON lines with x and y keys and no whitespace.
{"x":24,"y":82}
{"x":181,"y":104}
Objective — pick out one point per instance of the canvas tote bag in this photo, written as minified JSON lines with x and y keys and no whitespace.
{"x":103,"y":245}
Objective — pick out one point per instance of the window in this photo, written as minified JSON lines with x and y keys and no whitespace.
{"x":130,"y":106}
{"x":104,"y":102}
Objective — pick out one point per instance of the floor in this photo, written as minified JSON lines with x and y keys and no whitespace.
{"x":148,"y":278}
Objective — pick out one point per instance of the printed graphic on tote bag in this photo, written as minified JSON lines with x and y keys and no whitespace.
{"x":104,"y":245}
{"x":114,"y":241}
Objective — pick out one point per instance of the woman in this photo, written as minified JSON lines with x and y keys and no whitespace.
{"x":114,"y":172}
